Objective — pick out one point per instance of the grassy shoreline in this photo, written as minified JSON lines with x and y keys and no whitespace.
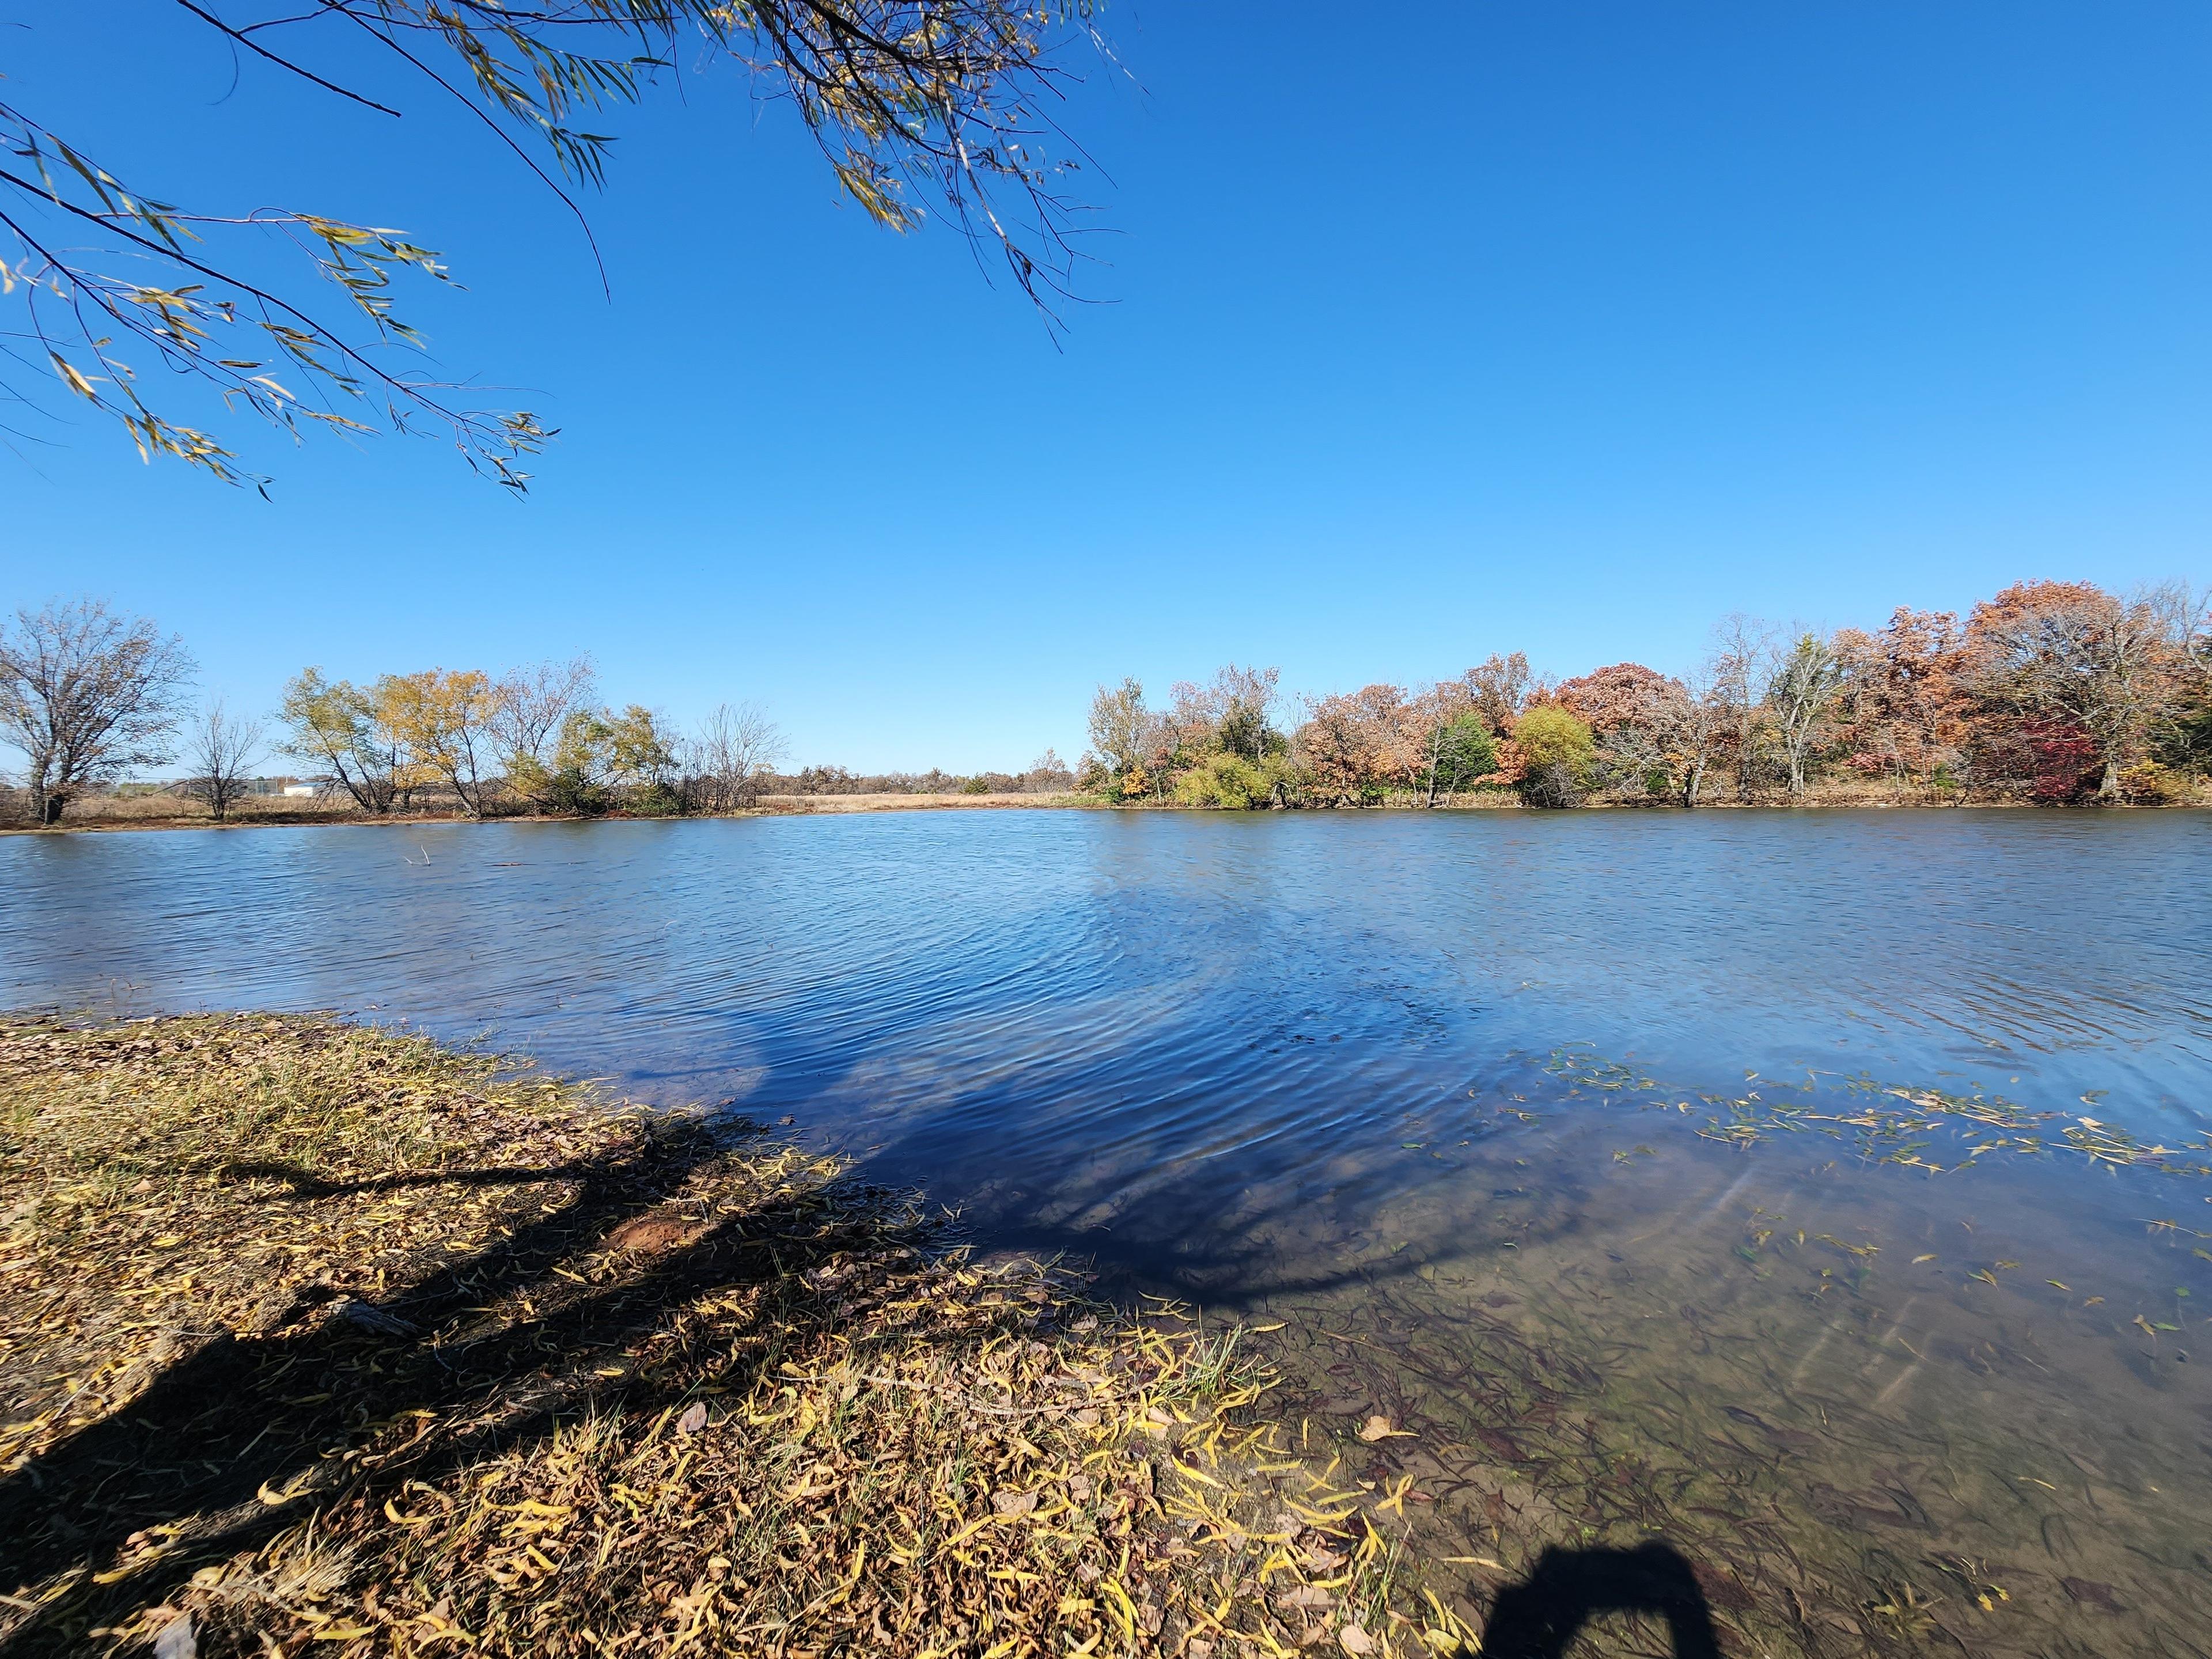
{"x":319,"y":1338}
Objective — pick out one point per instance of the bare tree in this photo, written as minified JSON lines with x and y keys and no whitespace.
{"x":2183,"y":613}
{"x":1049,"y":774}
{"x":1696,"y":721}
{"x":1801,"y":690}
{"x":1736,"y":669}
{"x":221,"y":752}
{"x":530,"y":703}
{"x":736,"y":748}
{"x":88,"y":696}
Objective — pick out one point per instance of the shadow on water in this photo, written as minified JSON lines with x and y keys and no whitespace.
{"x":1538,"y":1617}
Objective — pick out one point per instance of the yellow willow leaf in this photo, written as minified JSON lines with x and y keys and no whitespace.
{"x":76,"y":382}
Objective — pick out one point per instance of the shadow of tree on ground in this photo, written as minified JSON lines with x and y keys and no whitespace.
{"x":336,"y":1397}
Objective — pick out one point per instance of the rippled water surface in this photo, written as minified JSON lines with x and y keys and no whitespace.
{"x":1598,"y":1152}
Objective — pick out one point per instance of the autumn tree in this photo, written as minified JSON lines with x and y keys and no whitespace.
{"x":1498,"y":690}
{"x":1355,"y":746}
{"x":88,"y":696}
{"x":643,"y":758}
{"x":220,"y":752}
{"x":2071,"y":659}
{"x":914,"y":104}
{"x":338,"y":726}
{"x":1633,"y":713}
{"x":442,"y":720}
{"x":1905,"y":708}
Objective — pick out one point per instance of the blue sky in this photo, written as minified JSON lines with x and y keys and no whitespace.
{"x":1559,"y":328}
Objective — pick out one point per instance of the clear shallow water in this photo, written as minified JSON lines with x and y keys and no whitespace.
{"x":1307,"y":1066}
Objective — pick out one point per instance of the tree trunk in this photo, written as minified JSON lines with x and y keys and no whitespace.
{"x":1695,"y":777}
{"x":50,"y":810}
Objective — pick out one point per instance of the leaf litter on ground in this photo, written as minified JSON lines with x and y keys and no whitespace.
{"x":316,"y":1337}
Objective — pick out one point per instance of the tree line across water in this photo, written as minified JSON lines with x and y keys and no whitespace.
{"x":2055,"y":692}
{"x":91,"y":697}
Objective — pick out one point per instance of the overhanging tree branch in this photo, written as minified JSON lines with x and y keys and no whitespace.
{"x":905,"y":99}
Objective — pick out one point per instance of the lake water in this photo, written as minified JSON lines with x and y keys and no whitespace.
{"x":1599,"y":1152}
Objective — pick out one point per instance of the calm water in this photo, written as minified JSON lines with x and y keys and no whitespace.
{"x":1429,"y":1089}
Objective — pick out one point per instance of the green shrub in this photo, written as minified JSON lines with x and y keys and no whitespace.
{"x":1558,"y":755}
{"x":1465,"y":751}
{"x":1230,"y":781}
{"x":656,"y":799}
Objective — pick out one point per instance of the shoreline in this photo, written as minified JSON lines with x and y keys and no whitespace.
{"x":845,"y":806}
{"x":411,"y":1351}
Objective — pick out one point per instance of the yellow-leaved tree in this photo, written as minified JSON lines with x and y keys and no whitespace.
{"x":443,"y":722}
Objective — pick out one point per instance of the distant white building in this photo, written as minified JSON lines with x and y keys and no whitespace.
{"x":299,"y":791}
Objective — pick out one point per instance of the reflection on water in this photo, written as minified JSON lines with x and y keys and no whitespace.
{"x":1346,"y":1070}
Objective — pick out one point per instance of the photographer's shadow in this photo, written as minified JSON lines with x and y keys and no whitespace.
{"x":1537,"y":1617}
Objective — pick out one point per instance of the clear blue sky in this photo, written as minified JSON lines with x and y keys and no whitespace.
{"x":1565,"y":328}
